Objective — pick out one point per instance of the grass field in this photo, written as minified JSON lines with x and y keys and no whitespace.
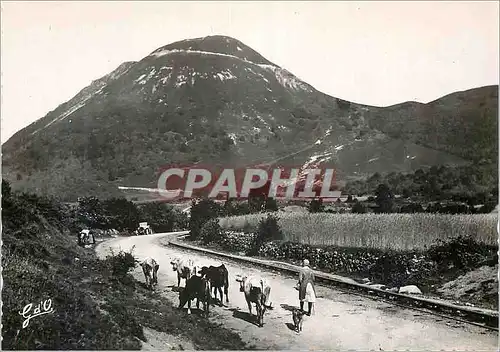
{"x":381,"y":231}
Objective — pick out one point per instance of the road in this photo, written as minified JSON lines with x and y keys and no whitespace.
{"x":341,"y":321}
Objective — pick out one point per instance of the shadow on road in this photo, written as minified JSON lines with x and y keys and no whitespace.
{"x":290,"y":326}
{"x":217,"y":302}
{"x":194,"y":310}
{"x":249,"y":318}
{"x":288,"y":307}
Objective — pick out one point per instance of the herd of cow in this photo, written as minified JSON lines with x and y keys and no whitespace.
{"x":199,"y":283}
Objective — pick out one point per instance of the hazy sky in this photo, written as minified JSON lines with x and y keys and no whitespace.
{"x":377,"y":53}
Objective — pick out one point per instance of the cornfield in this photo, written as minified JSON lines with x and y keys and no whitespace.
{"x":380,"y":231}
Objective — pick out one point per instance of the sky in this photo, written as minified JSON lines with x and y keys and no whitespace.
{"x":375,"y":53}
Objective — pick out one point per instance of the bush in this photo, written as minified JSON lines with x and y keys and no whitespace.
{"x":460,"y":252}
{"x":268,"y":230}
{"x":211,"y":232}
{"x":316,"y":206}
{"x":399,"y":269}
{"x":236,"y":241}
{"x":120,"y":264}
{"x":358,"y":208}
{"x":233,"y":208}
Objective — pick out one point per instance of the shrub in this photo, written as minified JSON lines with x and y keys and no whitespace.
{"x":460,"y":252}
{"x":120,"y":264}
{"x":399,"y":269}
{"x":268,"y":230}
{"x":316,"y":206}
{"x":233,"y":208}
{"x":236,"y":241}
{"x":358,"y":208}
{"x":211,"y":232}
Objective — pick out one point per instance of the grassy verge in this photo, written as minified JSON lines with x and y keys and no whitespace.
{"x":97,"y":304}
{"x":378,"y":231}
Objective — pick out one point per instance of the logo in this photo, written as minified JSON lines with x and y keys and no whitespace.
{"x":42,"y":308}
{"x":185,"y":182}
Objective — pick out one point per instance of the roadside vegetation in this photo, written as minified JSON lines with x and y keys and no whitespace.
{"x":394,"y":249}
{"x":98,"y":305}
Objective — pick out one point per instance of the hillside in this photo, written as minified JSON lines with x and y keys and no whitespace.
{"x":463,"y":123}
{"x":215,"y":100}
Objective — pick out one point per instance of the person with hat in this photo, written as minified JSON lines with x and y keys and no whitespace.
{"x":306,"y":287}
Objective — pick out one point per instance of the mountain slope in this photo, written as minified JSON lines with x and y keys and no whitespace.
{"x":215,"y":100}
{"x":463,"y":123}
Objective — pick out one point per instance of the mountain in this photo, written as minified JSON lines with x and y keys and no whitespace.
{"x":214,"y":100}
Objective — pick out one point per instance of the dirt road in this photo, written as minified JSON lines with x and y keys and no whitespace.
{"x":340,"y":322}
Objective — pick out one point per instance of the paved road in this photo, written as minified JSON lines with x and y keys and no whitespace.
{"x":340,"y":322}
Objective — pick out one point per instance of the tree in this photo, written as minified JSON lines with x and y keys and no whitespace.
{"x":121,"y":213}
{"x":406,"y":193}
{"x":91,"y":213}
{"x":201,"y":212}
{"x":160,"y":216}
{"x":384,"y":199}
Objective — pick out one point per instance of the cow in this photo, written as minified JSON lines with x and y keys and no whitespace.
{"x":258,"y":291}
{"x":184,"y":270}
{"x":150,"y":269}
{"x":218,"y":277}
{"x":196,"y":287}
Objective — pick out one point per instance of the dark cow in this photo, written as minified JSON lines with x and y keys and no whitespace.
{"x":218,"y":277}
{"x":196,"y":287}
{"x":258,"y":291}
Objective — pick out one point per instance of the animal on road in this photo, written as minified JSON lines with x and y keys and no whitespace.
{"x":256,"y":290}
{"x":150,"y":269}
{"x":196,"y":287}
{"x":298,"y":319}
{"x":184,"y":269}
{"x":218,"y":276}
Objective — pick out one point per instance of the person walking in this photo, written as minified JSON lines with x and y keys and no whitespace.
{"x":306,"y":287}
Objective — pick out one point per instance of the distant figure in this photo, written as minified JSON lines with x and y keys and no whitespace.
{"x":306,"y":287}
